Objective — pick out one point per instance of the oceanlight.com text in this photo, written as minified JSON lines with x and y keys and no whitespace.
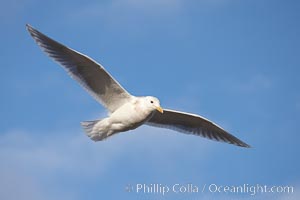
{"x":249,"y":189}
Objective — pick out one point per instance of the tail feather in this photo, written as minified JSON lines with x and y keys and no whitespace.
{"x":94,"y":134}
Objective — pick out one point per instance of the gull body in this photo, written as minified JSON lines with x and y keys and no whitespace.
{"x":125,"y":111}
{"x":128,"y":117}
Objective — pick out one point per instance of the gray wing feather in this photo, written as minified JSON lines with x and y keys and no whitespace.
{"x":193,"y":124}
{"x":91,"y":75}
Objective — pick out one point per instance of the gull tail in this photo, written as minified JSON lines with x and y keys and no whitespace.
{"x":92,"y":131}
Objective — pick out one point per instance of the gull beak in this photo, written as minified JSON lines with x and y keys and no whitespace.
{"x":160,"y":109}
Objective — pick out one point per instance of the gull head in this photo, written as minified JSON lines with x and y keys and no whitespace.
{"x":153,"y":102}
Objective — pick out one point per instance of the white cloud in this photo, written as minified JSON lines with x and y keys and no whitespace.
{"x":117,"y":12}
{"x":50,"y":151}
{"x":29,"y":161}
{"x":16,"y":185}
{"x":28,"y":158}
{"x":126,"y":15}
{"x":120,"y":8}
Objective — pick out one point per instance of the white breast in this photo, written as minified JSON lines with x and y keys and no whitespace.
{"x":129,"y":116}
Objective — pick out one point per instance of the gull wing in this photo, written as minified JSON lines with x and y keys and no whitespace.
{"x":193,"y":124}
{"x":90,"y":74}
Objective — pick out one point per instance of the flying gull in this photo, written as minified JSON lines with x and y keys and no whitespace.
{"x":126,"y":112}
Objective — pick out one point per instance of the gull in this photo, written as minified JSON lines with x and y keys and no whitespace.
{"x":125,"y":111}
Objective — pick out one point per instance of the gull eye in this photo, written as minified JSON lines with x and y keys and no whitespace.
{"x":151,"y":101}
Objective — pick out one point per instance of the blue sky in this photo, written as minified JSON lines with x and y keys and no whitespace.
{"x":234,"y":62}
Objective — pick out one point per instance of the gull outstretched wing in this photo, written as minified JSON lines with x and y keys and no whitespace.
{"x":90,"y":74}
{"x":193,"y":124}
